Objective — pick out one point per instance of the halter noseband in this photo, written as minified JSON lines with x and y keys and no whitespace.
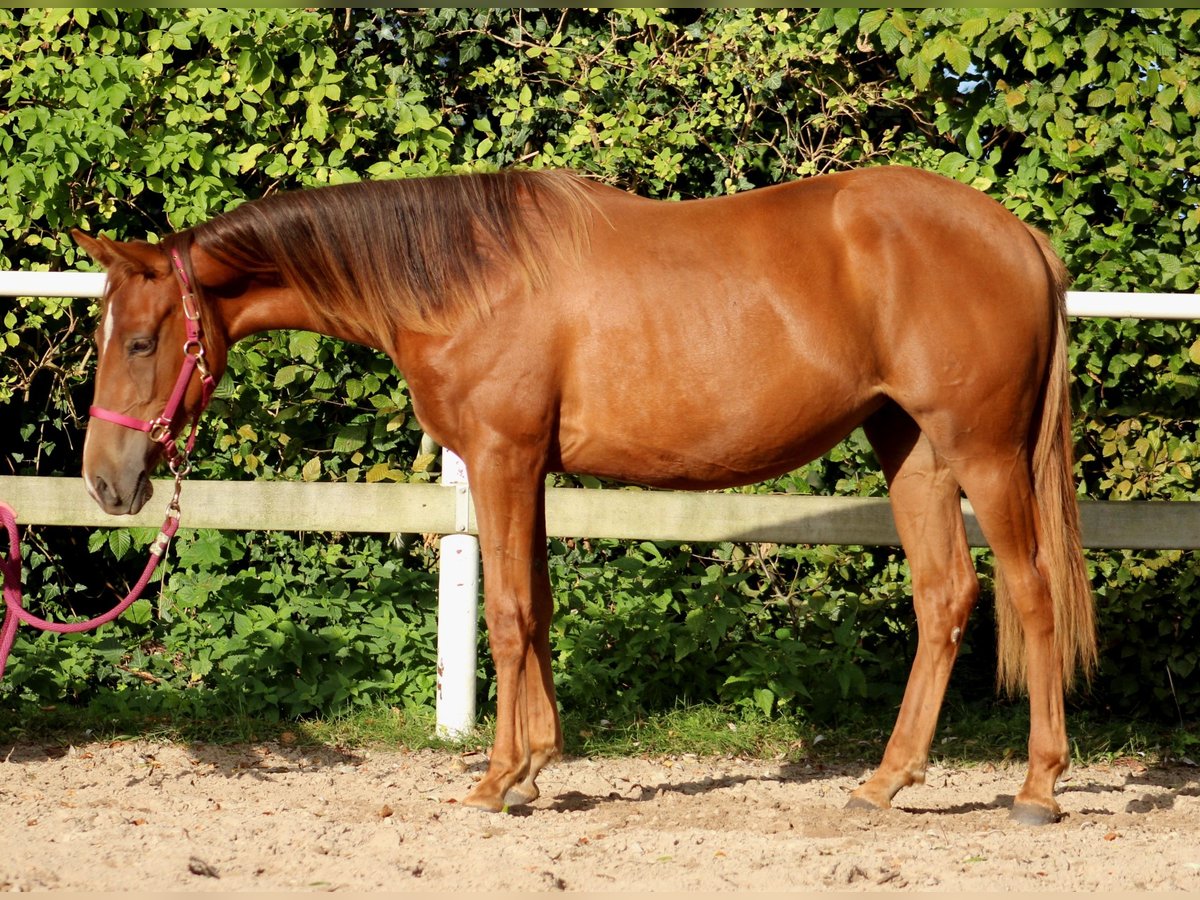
{"x":159,"y":429}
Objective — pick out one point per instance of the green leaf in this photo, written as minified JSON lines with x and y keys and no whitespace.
{"x":872,"y":19}
{"x":1191,"y":99}
{"x":139,"y":612}
{"x":119,"y":542}
{"x":350,"y":438}
{"x":973,"y":28}
{"x":958,"y":56}
{"x":1095,"y":41}
{"x":286,"y":376}
{"x":845,"y":19}
{"x":890,"y":36}
{"x":973,"y":146}
{"x":922,"y":69}
{"x":952,"y":163}
{"x":764,"y":699}
{"x":311,"y":470}
{"x":382,"y":472}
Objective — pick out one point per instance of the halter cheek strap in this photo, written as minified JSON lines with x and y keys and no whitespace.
{"x":159,"y":429}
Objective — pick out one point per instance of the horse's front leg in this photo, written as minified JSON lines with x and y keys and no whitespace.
{"x":510,"y":507}
{"x":542,"y":728}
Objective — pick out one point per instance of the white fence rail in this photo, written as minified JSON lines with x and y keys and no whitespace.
{"x":570,"y":512}
{"x":1079,"y":303}
{"x":446,"y":509}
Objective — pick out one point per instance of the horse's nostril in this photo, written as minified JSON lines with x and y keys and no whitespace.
{"x":105,"y":494}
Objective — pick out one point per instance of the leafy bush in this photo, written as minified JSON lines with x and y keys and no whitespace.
{"x":138,"y":122}
{"x":261,"y":624}
{"x":646,"y":626}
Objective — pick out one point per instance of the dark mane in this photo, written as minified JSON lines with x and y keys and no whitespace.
{"x":410,"y":253}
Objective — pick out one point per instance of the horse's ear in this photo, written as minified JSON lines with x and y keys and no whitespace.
{"x":98,"y":248}
{"x":140,"y":256}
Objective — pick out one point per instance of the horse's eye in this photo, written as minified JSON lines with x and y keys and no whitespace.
{"x":142,"y":346}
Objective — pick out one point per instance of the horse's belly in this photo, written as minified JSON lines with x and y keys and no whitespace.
{"x":690,"y":447}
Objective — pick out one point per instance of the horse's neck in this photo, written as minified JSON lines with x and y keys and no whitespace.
{"x":260,"y":309}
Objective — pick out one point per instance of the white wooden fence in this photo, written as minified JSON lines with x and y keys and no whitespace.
{"x":446,"y":508}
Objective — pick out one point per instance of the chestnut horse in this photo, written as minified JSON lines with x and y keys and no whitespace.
{"x":547,"y":323}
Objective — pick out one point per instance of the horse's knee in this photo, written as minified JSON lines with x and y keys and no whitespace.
{"x":509,"y":634}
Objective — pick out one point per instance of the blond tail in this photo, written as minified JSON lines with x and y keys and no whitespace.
{"x":1060,"y":549}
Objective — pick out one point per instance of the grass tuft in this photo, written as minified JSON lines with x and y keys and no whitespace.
{"x":967,"y":736}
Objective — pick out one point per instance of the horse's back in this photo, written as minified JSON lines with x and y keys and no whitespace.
{"x":859,"y":246}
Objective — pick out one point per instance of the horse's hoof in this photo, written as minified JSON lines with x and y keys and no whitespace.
{"x":856,"y":802}
{"x":481,"y":801}
{"x":1035,"y":814}
{"x":521,"y":794}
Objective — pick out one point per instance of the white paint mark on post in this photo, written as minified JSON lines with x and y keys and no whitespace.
{"x":458,"y":612}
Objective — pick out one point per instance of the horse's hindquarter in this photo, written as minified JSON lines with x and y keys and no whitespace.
{"x":719,"y":342}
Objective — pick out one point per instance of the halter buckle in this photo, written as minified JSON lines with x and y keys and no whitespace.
{"x":190,"y":309}
{"x":160,"y":431}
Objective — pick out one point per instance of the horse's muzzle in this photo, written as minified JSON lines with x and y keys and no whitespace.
{"x":117,"y":500}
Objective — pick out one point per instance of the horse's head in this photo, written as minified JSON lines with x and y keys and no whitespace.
{"x":156,"y":368}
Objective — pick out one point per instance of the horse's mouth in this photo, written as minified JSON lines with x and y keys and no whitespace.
{"x":142,"y":492}
{"x":114,"y":502}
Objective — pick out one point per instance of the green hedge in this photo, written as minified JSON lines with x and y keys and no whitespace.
{"x":136,"y":122}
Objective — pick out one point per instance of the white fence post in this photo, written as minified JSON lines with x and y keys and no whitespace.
{"x":458,"y":611}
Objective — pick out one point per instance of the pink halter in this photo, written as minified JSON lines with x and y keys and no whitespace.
{"x":159,"y":429}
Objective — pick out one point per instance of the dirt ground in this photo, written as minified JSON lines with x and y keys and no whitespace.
{"x":147,"y":816}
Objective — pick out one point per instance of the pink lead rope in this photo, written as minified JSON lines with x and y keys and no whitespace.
{"x":159,"y":430}
{"x":15,"y":612}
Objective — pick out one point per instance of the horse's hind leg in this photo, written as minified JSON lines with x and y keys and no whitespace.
{"x":925,"y":502}
{"x":1001,"y":491}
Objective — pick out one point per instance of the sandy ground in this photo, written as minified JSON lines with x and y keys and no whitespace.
{"x":145,"y":816}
